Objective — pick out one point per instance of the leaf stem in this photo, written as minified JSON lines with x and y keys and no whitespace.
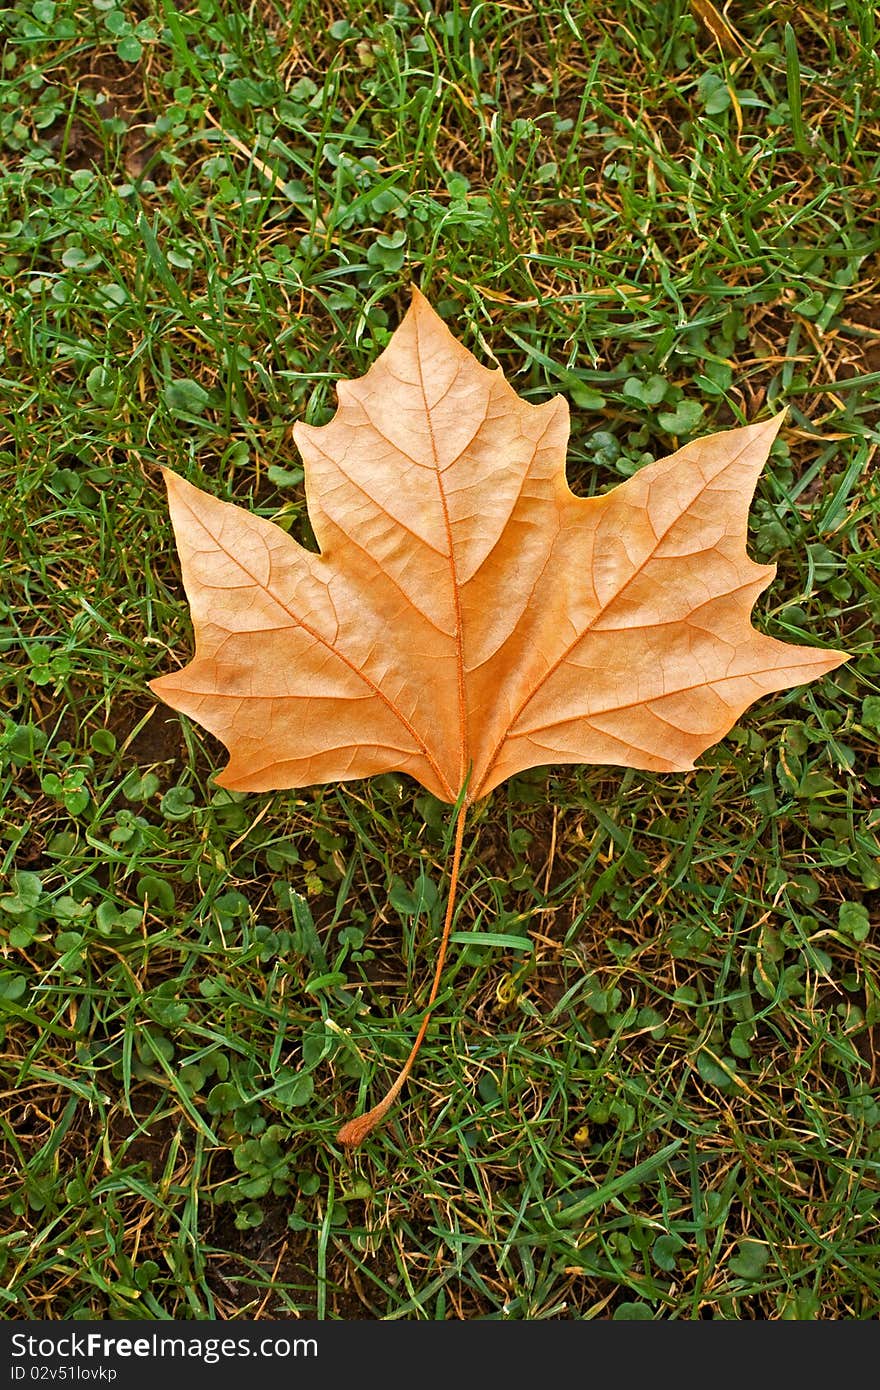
{"x":354,"y":1132}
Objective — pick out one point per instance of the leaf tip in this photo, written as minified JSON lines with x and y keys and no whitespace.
{"x":766,"y":431}
{"x":164,"y":685}
{"x":229,"y":780}
{"x":840,"y":658}
{"x":174,"y":483}
{"x":420,"y":307}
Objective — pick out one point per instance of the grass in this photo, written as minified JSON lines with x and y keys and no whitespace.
{"x":659,"y":1099}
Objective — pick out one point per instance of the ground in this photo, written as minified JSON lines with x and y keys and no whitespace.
{"x":661,"y":1101}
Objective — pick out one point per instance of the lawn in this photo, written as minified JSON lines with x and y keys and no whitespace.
{"x":659,"y":1098}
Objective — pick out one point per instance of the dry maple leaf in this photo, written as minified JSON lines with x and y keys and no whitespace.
{"x":468,"y":616}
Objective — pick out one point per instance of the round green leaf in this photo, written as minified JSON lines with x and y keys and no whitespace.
{"x":129,"y":49}
{"x":633,"y":1312}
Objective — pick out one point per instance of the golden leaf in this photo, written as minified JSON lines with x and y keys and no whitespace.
{"x":468,"y":616}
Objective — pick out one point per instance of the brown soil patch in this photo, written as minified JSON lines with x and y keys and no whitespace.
{"x":117,"y":90}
